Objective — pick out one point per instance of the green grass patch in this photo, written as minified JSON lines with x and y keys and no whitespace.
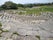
{"x":34,"y":11}
{"x":38,"y":37}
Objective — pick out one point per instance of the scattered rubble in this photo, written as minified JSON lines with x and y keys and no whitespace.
{"x":17,"y":27}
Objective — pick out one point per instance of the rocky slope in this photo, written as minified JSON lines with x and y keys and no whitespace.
{"x":17,"y":27}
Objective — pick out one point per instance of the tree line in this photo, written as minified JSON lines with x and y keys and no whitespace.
{"x":11,"y":5}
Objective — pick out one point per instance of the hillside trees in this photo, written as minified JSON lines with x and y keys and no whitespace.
{"x":20,"y":5}
{"x":12,"y":5}
{"x":9,"y":5}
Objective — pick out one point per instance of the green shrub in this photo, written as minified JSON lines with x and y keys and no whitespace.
{"x":16,"y":33}
{"x":0,"y":24}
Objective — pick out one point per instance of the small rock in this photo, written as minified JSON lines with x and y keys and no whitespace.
{"x":9,"y":39}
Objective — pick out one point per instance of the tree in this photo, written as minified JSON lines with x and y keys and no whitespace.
{"x":20,"y":5}
{"x":1,"y":8}
{"x":9,"y":5}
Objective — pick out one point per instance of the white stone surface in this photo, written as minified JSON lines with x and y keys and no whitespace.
{"x":26,"y":26}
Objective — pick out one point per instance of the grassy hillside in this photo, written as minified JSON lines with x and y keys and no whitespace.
{"x":35,"y":10}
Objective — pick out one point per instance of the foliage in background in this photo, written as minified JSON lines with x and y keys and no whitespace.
{"x":11,"y":5}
